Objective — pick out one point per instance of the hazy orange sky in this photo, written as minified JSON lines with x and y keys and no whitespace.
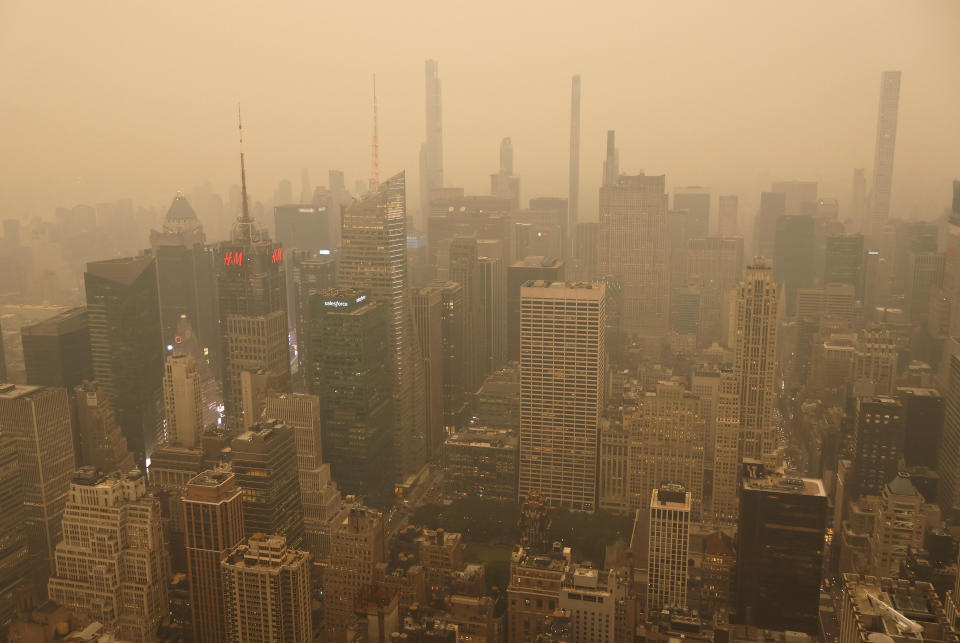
{"x":115,"y":98}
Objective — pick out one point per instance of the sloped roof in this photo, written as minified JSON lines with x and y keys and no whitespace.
{"x":180,"y":210}
{"x":901,"y":485}
{"x":123,"y":271}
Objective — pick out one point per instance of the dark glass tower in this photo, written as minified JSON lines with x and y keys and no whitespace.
{"x":352,"y":376}
{"x":373,"y":257}
{"x":56,"y":351}
{"x":780,"y":553}
{"x":878,"y":437}
{"x":185,"y":277}
{"x":252,"y":305}
{"x":125,"y":345}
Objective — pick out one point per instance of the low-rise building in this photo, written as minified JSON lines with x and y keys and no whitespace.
{"x":482,"y":462}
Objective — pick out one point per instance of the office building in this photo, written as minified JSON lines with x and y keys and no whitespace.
{"x":122,"y":584}
{"x":183,"y":400}
{"x":431,"y":152}
{"x":482,"y":462}
{"x":536,"y":585}
{"x":428,"y":319}
{"x":303,"y":226}
{"x":633,"y":225}
{"x":497,"y":403}
{"x":880,"y":188}
{"x":573,"y":198}
{"x":780,"y":544}
{"x":948,"y":455}
{"x":185,"y":276}
{"x":453,"y":214}
{"x":800,"y":197}
{"x":307,"y":273}
{"x":493,"y":284}
{"x":56,"y":351}
{"x":465,"y":270}
{"x":266,"y":587}
{"x":595,"y":600}
{"x":505,"y":184}
{"x":563,"y":379}
{"x":524,"y":270}
{"x":754,"y":365}
{"x":373,"y":257}
{"x":357,"y":547}
{"x":14,"y":551}
{"x":923,"y":410}
{"x":319,"y":495}
{"x":773,"y":205}
{"x":696,"y":201}
{"x":37,"y":420}
{"x":453,"y":326}
{"x":874,"y":608}
{"x":875,"y":362}
{"x":666,"y":444}
{"x":353,"y":377}
{"x":124,"y":319}
{"x":668,"y":547}
{"x":878,"y":443}
{"x":858,"y":199}
{"x":213,"y":515}
{"x":898,"y":527}
{"x":836,"y":302}
{"x":844,"y":261}
{"x":264,"y":461}
{"x":611,"y":163}
{"x":252,"y":305}
{"x":924,"y":278}
{"x":714,"y":267}
{"x":100,"y":441}
{"x":585,"y":248}
{"x":727,"y":207}
{"x":793,"y":256}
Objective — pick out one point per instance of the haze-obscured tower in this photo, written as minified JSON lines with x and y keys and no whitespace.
{"x":56,"y":351}
{"x":431,"y":152}
{"x":727,"y":209}
{"x":101,"y":442}
{"x":611,"y":165}
{"x":562,"y":383}
{"x":374,"y":257}
{"x":183,"y":399}
{"x":573,"y":199}
{"x":883,"y":156}
{"x":14,"y":552}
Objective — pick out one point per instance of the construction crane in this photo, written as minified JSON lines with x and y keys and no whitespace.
{"x":904,"y":624}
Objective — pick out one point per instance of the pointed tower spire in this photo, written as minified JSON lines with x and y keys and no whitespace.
{"x":244,"y":223}
{"x":375,"y":169}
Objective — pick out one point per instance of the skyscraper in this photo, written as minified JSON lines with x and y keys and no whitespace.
{"x":374,"y":257}
{"x":123,"y":585}
{"x":883,"y":156}
{"x":773,"y":205}
{"x":100,"y":440}
{"x":125,"y":345}
{"x":56,"y":351}
{"x":754,"y":364}
{"x":505,"y":184}
{"x":252,"y":304}
{"x":431,"y":152}
{"x":318,"y":493}
{"x":793,"y":253}
{"x":858,"y":198}
{"x":357,"y":547}
{"x":264,"y":461}
{"x":454,"y":336}
{"x":573,"y":199}
{"x":844,"y":261}
{"x":522,"y":271}
{"x":213,"y":516}
{"x":563,"y":379}
{"x":695,"y":200}
{"x":727,"y":212}
{"x":14,"y":552}
{"x":37,"y":419}
{"x":878,"y":442}
{"x":185,"y":278}
{"x":611,"y":165}
{"x":634,"y":247}
{"x":668,"y":547}
{"x":266,"y":587}
{"x":183,"y":400}
{"x":465,"y":270}
{"x":428,"y":316}
{"x":353,"y":378}
{"x":780,"y":544}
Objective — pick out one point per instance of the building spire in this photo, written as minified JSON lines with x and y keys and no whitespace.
{"x":244,"y":224}
{"x":375,"y":169}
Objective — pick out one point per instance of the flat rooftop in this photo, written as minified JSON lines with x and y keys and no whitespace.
{"x":785,"y":484}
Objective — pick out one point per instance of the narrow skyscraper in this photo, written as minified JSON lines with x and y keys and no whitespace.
{"x":668,"y":547}
{"x":574,"y":196}
{"x":883,"y":156}
{"x":374,"y":257}
{"x":611,"y":166}
{"x":431,"y":152}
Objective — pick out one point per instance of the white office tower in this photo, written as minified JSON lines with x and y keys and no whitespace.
{"x":183,"y":400}
{"x":562,"y":384}
{"x":668,"y":547}
{"x":112,"y":564}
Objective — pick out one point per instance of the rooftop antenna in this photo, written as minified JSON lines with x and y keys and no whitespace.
{"x":244,"y":224}
{"x":375,"y":169}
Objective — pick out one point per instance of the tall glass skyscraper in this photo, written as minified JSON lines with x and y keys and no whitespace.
{"x":373,"y":256}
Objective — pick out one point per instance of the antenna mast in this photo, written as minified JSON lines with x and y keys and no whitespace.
{"x":375,"y":169}
{"x":244,"y":225}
